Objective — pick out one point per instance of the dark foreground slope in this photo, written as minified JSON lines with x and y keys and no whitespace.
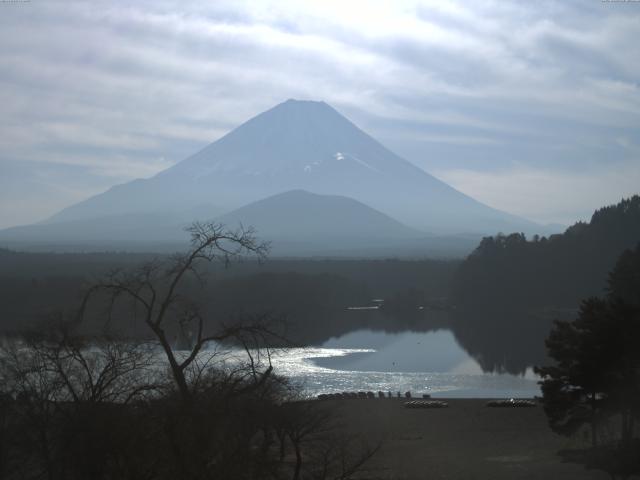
{"x":465,"y":441}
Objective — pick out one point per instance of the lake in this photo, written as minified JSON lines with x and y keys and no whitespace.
{"x":421,"y":362}
{"x":431,"y":362}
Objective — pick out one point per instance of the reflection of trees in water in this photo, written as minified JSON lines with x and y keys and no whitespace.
{"x":500,"y":341}
{"x":317,"y":328}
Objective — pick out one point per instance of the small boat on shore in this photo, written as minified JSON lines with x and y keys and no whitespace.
{"x":511,"y":403}
{"x":426,"y":404}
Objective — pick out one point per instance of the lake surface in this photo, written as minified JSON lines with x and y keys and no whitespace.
{"x":420,"y":362}
{"x":431,"y":362}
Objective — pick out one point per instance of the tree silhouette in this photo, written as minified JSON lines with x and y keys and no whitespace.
{"x":154,"y":293}
{"x":573,"y":387}
{"x":596,"y":376}
{"x":624,"y":279}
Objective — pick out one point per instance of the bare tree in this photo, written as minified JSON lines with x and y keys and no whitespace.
{"x":154,"y":293}
{"x":61,"y":389}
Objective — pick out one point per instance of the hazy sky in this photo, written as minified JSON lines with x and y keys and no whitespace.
{"x":530,"y":107}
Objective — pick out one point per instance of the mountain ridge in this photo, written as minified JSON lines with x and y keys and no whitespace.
{"x":294,"y":146}
{"x":302,"y":145}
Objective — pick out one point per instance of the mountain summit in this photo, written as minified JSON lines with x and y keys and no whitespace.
{"x":294,"y":146}
{"x":301,"y":145}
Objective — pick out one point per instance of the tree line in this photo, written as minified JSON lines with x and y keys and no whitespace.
{"x":309,"y":292}
{"x":511,"y":271}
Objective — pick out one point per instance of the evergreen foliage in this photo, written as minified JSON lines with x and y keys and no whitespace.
{"x":557,"y":271}
{"x":595,"y":379}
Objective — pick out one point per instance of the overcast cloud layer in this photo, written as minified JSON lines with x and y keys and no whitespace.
{"x":531,"y":107}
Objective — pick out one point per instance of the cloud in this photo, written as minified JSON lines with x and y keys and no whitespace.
{"x":32,"y":191}
{"x":549,"y":195}
{"x":120,"y":89}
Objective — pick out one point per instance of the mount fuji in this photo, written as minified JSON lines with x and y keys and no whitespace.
{"x":296,"y":145}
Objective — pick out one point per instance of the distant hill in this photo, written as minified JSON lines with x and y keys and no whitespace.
{"x":557,"y":271}
{"x":304,"y":221}
{"x":298,"y":223}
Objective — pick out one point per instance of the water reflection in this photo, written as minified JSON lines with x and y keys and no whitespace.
{"x":402,"y":352}
{"x":498,"y":340}
{"x":422,"y":362}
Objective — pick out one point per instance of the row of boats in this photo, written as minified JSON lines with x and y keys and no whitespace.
{"x":355,"y":395}
{"x":512,"y":402}
{"x":426,"y":404}
{"x":426,"y":401}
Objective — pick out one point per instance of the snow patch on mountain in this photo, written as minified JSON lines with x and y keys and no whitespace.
{"x":362,"y":162}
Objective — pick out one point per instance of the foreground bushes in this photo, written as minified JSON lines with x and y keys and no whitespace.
{"x":99,"y":408}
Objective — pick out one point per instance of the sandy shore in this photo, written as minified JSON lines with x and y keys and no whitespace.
{"x":465,"y":441}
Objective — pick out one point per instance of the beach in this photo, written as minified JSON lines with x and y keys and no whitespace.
{"x":467,"y":440}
